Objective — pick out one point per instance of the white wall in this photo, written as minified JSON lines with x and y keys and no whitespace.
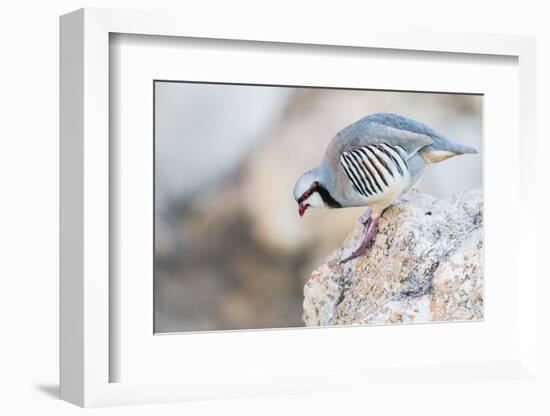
{"x":29,"y":184}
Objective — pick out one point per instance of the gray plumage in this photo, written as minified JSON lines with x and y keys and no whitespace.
{"x":439,"y":142}
{"x":372,"y":161}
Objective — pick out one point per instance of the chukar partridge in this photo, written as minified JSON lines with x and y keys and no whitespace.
{"x":370,"y":163}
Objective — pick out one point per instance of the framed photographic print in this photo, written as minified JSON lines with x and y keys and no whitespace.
{"x":267,"y":212}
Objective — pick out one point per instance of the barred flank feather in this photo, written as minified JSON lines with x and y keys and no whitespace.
{"x":372,"y":169}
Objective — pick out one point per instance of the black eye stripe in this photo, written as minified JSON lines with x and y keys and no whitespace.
{"x":323,"y":192}
{"x":308,"y":193}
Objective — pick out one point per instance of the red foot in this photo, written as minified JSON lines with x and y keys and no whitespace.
{"x":370,"y":231}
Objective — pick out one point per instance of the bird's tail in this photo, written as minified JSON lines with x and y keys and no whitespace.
{"x":463,"y":149}
{"x":441,"y":150}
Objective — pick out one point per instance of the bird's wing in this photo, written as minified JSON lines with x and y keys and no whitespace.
{"x":441,"y":148}
{"x":374,"y":151}
{"x":372,"y":133}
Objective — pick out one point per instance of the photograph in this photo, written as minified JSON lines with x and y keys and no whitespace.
{"x":292,"y":206}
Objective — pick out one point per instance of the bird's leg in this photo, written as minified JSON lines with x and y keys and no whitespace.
{"x":370,"y":229}
{"x":365,"y":218}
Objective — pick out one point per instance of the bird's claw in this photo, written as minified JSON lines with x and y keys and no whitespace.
{"x":370,"y":230}
{"x":352,"y":256}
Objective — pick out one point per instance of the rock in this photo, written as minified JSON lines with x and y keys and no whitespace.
{"x":425,"y":264}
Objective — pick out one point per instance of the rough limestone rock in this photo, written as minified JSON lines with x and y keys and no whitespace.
{"x":425,"y":265}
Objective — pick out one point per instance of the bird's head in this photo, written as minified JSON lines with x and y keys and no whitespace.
{"x":307,"y":192}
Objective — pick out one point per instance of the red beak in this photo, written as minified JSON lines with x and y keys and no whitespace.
{"x":302,"y":209}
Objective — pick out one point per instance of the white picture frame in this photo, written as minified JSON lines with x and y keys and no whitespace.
{"x":87,"y":329}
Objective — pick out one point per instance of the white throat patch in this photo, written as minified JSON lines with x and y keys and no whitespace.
{"x":315,"y":201}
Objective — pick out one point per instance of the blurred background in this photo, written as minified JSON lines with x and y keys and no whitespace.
{"x":231,"y":251}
